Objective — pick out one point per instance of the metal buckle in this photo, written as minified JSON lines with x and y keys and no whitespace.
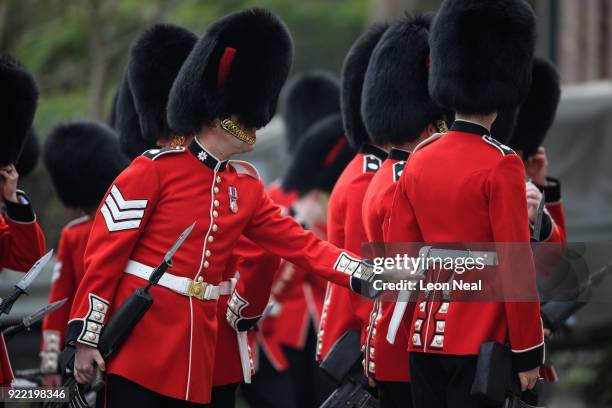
{"x":197,"y":290}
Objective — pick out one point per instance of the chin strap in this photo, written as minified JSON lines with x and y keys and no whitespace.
{"x":233,"y":129}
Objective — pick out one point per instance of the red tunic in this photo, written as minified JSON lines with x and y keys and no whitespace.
{"x":144,"y":212}
{"x":384,"y":361}
{"x":22,"y":243}
{"x":67,"y":274}
{"x":478,"y":195}
{"x":554,"y":208}
{"x":252,"y":264}
{"x":342,"y":309}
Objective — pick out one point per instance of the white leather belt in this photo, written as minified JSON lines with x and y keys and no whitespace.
{"x":487,"y":258}
{"x":185,"y":286}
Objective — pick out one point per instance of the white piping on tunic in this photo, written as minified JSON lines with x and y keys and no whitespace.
{"x":212,"y":199}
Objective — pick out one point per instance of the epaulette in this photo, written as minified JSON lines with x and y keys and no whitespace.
{"x":78,"y":221}
{"x":428,"y":141}
{"x":246,"y":168}
{"x":505,"y":150}
{"x":156,"y":153}
{"x":398,"y":169}
{"x":371,"y":163}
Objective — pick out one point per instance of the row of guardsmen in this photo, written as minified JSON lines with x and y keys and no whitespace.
{"x":386,"y":153}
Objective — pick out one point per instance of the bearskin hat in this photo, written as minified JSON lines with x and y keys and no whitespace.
{"x":28,"y":159}
{"x":395,"y":104}
{"x":155,"y":59}
{"x":18,"y":98}
{"x":237,"y":68}
{"x":127,"y":125}
{"x":306,"y":98}
{"x":537,"y":113}
{"x":481,"y":55}
{"x":351,"y":84}
{"x":320,"y":157}
{"x":83,"y":159}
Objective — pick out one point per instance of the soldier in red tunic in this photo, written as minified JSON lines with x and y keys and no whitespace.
{"x":92,"y":148}
{"x":397,"y":73}
{"x":22,"y":242}
{"x":343,"y":310}
{"x":227,"y":88}
{"x":535,"y":117}
{"x":287,"y":375}
{"x":306,"y":98}
{"x":467,"y":187}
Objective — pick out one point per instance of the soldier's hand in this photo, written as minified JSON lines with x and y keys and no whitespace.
{"x":536,"y":167}
{"x":529,"y":378}
{"x":84,"y":361}
{"x":534,"y":196}
{"x":52,"y":380}
{"x":8,"y":182}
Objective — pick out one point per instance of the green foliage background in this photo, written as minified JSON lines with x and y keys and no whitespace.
{"x":77,"y":50}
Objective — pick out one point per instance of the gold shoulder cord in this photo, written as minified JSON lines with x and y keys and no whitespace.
{"x":177,"y":141}
{"x":233,"y":129}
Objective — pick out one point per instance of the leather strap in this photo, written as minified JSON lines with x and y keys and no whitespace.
{"x":179,"y":284}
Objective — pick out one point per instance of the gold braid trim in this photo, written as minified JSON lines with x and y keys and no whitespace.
{"x":233,"y":129}
{"x":442,"y":127}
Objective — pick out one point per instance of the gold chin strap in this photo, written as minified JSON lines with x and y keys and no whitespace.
{"x":233,"y":129}
{"x":441,"y":126}
{"x":177,"y":141}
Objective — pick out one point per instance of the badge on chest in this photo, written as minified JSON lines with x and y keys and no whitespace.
{"x":233,"y":199}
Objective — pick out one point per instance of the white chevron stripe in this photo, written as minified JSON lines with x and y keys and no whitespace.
{"x":113,"y":225}
{"x":124,"y":204}
{"x":119,"y":215}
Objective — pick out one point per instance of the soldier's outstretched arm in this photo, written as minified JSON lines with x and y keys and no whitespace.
{"x":284,"y":237}
{"x":118,"y":224}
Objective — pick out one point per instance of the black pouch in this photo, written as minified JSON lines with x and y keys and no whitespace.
{"x":343,"y":356}
{"x":493,"y":373}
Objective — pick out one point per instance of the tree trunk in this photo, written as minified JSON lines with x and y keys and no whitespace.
{"x":100,"y":66}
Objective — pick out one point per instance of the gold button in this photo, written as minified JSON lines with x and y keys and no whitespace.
{"x":216,"y":189}
{"x":218,"y":179}
{"x":215,"y":213}
{"x":206,"y":264}
{"x":215,"y":227}
{"x":211,"y":238}
{"x":207,"y":254}
{"x":216,"y":203}
{"x":94,"y":327}
{"x":200,"y":279}
{"x":100,"y":306}
{"x":97,"y":316}
{"x":91,"y":336}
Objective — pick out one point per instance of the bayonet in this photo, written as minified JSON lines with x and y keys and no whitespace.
{"x":37,"y":316}
{"x":22,"y":286}
{"x":167,"y":262}
{"x":32,"y":319}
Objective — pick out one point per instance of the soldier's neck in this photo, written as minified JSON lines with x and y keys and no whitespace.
{"x":482,"y":120}
{"x":215,"y":145}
